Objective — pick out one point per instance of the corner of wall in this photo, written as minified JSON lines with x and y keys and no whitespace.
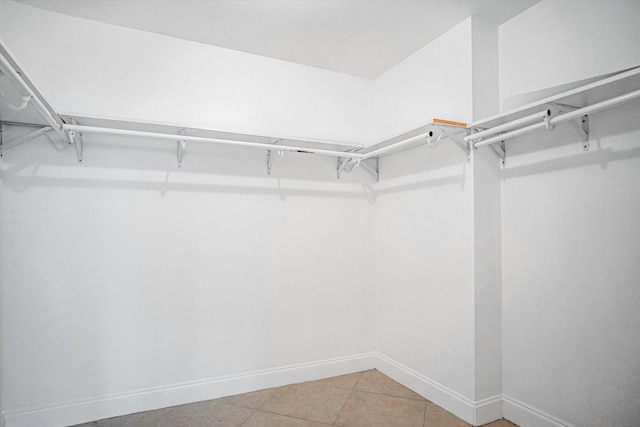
{"x":474,"y":412}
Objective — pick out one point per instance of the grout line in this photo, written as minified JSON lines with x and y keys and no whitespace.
{"x":292,"y":416}
{"x":151,"y":423}
{"x":274,"y":390}
{"x":424,"y":415}
{"x":249,"y":417}
{"x":343,"y":405}
{"x":358,"y":382}
{"x":415,"y":399}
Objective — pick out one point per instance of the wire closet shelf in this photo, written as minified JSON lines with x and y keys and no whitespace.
{"x":28,"y":108}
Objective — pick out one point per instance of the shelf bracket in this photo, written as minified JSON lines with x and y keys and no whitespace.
{"x":75,"y":138}
{"x":372,"y":166}
{"x":341,"y":165}
{"x":182,"y":144}
{"x":501,"y":150}
{"x":458,"y":141}
{"x":271,"y":157}
{"x":582,"y":127}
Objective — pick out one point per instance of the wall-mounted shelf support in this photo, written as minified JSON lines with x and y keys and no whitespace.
{"x":75,"y":138}
{"x":501,"y":150}
{"x":271,"y":157}
{"x":371,"y":165}
{"x":582,"y":127}
{"x":455,"y":138}
{"x":269,"y":162}
{"x":341,"y":165}
{"x":181,"y":145}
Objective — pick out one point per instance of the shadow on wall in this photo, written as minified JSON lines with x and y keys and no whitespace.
{"x":152,"y":166}
{"x":612,"y":138}
{"x":423,"y":167}
{"x":119,"y":163}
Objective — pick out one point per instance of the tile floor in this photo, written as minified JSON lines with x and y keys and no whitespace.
{"x":367,"y":398}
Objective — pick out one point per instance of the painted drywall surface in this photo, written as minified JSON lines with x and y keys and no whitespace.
{"x":424,"y":208}
{"x":569,"y":221}
{"x":433,"y":82}
{"x":558,"y":42}
{"x":424,"y":218}
{"x":127,"y":273}
{"x":571,"y":245}
{"x":486,"y":218}
{"x":487,"y":274}
{"x":424,"y":265}
{"x":91,"y":68}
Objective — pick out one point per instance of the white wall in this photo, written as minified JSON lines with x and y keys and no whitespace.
{"x":425,"y":265}
{"x":557,"y":42}
{"x":127,"y":274}
{"x":570,"y":227}
{"x":433,"y":82}
{"x":486,"y":222}
{"x":99,"y":69}
{"x":571,"y":239}
{"x":424,"y":217}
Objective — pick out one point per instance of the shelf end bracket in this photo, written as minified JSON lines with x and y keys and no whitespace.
{"x":501,"y":150}
{"x":459,"y":142}
{"x":372,"y":166}
{"x":182,"y":144}
{"x":581,"y":126}
{"x":75,"y":138}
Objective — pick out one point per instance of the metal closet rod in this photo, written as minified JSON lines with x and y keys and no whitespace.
{"x":392,"y":147}
{"x":509,"y":125}
{"x":562,"y":118}
{"x":177,"y":137}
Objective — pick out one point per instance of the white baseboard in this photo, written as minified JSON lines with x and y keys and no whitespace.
{"x":473,"y":412}
{"x":77,"y":412}
{"x":528,"y":416}
{"x":488,"y":410}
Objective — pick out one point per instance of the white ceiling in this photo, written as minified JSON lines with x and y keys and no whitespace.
{"x":359,"y":37}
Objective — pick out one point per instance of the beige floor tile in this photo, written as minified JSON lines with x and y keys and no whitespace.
{"x":313,"y":402}
{"x":375,"y":382}
{"x":205,"y":414}
{"x":140,"y":419}
{"x":500,"y":423}
{"x":367,"y":398}
{"x":266,"y":419}
{"x":253,"y":400}
{"x":348,"y":381}
{"x":375,"y":410}
{"x":435,"y":416}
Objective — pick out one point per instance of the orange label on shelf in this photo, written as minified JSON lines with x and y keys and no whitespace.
{"x":449,"y":122}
